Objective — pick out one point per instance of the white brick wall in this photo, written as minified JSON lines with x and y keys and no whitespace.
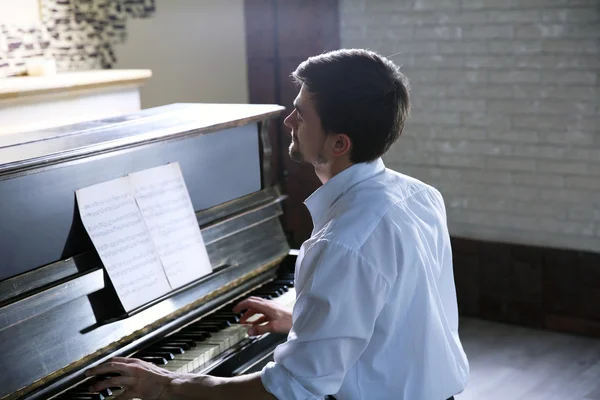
{"x":506,"y":110}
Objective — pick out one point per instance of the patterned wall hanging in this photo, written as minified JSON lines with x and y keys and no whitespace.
{"x":78,"y":34}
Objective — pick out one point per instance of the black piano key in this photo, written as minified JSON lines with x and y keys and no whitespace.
{"x":228,"y":314}
{"x":284,"y":282}
{"x":270,"y":294}
{"x":203,"y":329}
{"x":205,"y":321}
{"x":82,"y":393}
{"x":232,"y":318}
{"x":171,"y":349}
{"x":82,"y":390}
{"x":198,"y":337}
{"x":284,"y":277}
{"x":183,"y":343}
{"x":266,"y":290}
{"x":218,"y":321}
{"x":84,"y":386}
{"x":164,"y":354}
{"x":228,"y":310}
{"x":275,"y":288}
{"x":220,"y":324}
{"x":223,"y":314}
{"x":86,"y":395}
{"x":155,"y":360}
{"x":200,"y":330}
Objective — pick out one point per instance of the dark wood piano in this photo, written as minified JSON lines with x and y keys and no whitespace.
{"x":59,"y":313}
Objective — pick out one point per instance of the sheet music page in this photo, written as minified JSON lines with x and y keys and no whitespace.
{"x":112,"y":219}
{"x":165,"y":203}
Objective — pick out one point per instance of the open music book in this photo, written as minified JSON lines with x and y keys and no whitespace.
{"x":145,"y":230}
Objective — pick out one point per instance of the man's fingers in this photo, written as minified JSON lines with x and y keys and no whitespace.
{"x":108,"y":368}
{"x":248,"y":314}
{"x":250,"y":302}
{"x":259,"y":321}
{"x":260,"y":329}
{"x":125,"y":382}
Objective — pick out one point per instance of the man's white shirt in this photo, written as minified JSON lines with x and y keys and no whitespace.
{"x":376,"y":314}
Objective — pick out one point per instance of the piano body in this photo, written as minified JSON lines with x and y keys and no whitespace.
{"x":59,"y":313}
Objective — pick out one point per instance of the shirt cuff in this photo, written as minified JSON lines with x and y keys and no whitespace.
{"x":277,"y":381}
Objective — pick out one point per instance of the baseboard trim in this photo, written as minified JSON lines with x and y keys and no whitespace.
{"x":540,"y":287}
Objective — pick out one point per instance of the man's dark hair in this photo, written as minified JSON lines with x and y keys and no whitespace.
{"x":359,"y":93}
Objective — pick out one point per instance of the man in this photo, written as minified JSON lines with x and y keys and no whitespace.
{"x":376,"y":314}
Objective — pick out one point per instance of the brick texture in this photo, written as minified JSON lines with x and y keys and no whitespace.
{"x":506,"y":110}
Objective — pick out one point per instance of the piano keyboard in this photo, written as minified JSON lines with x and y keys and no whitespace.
{"x":200,"y":344}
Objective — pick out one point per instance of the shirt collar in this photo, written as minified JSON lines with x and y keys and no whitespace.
{"x":324,"y":197}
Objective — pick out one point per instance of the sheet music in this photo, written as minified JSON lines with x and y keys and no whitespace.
{"x":163,"y":199}
{"x":112,"y":219}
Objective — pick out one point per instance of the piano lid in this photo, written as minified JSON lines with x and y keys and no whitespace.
{"x":23,"y":151}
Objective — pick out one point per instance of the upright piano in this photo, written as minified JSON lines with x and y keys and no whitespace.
{"x":59,"y":312}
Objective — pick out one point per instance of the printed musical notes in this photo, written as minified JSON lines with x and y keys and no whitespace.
{"x":112,"y":219}
{"x":166,"y":207}
{"x":146,"y":233}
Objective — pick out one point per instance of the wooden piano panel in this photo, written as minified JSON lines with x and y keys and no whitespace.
{"x":39,"y":222}
{"x":42,"y":347}
{"x":46,"y":256}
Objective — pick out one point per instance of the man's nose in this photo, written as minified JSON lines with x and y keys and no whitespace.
{"x":288,"y":121}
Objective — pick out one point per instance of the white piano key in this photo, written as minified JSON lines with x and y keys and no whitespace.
{"x":207,"y":350}
{"x":211,"y":348}
{"x":287,"y":299}
{"x":179,"y":366}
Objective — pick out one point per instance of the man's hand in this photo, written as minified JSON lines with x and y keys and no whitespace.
{"x":138,"y":378}
{"x":278,"y":318}
{"x":142,"y":380}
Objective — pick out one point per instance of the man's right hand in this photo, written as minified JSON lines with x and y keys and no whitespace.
{"x":275,"y":317}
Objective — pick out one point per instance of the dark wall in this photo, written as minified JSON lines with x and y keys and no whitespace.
{"x":540,"y":287}
{"x":280,"y":34}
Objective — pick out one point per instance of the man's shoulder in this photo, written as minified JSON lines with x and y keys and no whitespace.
{"x":402,"y":185}
{"x":388,"y":189}
{"x":382,"y":202}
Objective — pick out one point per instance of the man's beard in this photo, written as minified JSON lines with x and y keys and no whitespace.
{"x":295,"y":153}
{"x":297,"y":156}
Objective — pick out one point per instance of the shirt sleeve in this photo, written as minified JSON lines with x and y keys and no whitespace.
{"x":339,"y":299}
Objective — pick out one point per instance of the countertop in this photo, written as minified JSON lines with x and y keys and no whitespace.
{"x":22,"y":86}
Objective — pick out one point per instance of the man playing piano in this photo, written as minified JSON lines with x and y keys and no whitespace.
{"x":376,"y":312}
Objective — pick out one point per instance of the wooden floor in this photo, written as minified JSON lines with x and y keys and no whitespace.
{"x":513,"y":363}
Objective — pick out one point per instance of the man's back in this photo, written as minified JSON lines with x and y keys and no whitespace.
{"x":398,"y":299}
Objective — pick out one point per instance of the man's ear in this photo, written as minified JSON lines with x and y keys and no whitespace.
{"x":342,"y":145}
